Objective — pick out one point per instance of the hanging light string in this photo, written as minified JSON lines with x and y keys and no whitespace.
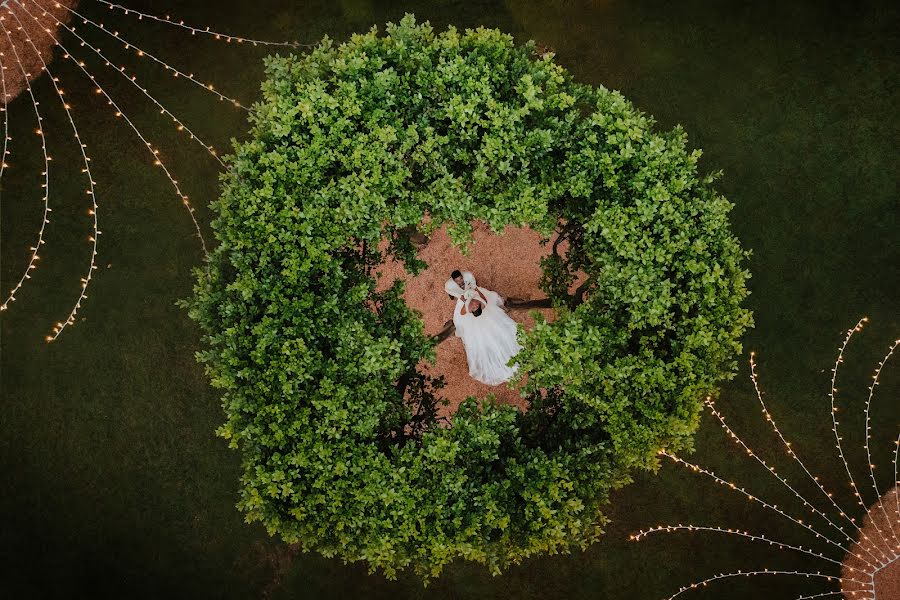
{"x":157,"y":160}
{"x":6,"y":137}
{"x":864,"y":542}
{"x":194,"y":30}
{"x":43,"y":19}
{"x":875,"y":378}
{"x":896,"y":480}
{"x":771,"y":420}
{"x":45,"y":219}
{"x":141,"y":53}
{"x":822,"y":595}
{"x":882,"y":567}
{"x":733,"y":532}
{"x":832,"y":394}
{"x":875,"y":572}
{"x":3,"y":108}
{"x":133,"y":80}
{"x":90,"y":191}
{"x":760,"y":501}
{"x":711,"y":406}
{"x":735,"y":574}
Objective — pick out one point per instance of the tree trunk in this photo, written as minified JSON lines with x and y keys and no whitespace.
{"x":578,"y":298}
{"x":447,"y":331}
{"x":516,"y":303}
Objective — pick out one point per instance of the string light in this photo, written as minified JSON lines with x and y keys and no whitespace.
{"x":734,"y":532}
{"x":6,"y":98}
{"x":832,"y":395}
{"x":45,"y":218}
{"x":896,"y":480}
{"x":133,"y":81}
{"x":42,"y":17}
{"x":711,"y":406}
{"x":875,"y":378}
{"x":858,"y":581}
{"x":120,"y":113}
{"x":722,"y":576}
{"x":760,"y":501}
{"x":95,"y":209}
{"x":141,"y":53}
{"x":195,"y":30}
{"x":768,"y":416}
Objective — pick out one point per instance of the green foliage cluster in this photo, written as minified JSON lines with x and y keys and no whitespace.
{"x":392,"y":133}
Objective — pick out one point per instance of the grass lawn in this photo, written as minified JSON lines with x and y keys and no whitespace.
{"x":113,"y":481}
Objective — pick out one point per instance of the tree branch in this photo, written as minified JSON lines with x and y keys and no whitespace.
{"x":447,"y":331}
{"x":516,"y":303}
{"x":365,"y":249}
{"x":578,"y":298}
{"x":402,"y":383}
{"x":563,"y":234}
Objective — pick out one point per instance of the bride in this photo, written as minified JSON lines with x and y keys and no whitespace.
{"x":487,"y":332}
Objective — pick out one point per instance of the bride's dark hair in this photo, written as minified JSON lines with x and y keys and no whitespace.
{"x":455,"y":274}
{"x":477,"y":312}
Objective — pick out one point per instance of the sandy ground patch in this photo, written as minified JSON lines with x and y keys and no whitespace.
{"x":880,"y":537}
{"x":29,"y":64}
{"x":508,"y":263}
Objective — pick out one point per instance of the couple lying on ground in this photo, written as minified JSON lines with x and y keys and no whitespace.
{"x":487,"y":332}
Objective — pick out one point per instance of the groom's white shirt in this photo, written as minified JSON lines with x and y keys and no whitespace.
{"x":469,"y":285}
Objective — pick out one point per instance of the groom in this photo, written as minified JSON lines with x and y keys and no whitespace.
{"x":488,"y":334}
{"x":466,"y":281}
{"x":461,"y":287}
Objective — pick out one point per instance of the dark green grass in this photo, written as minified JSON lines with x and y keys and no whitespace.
{"x":113,"y":481}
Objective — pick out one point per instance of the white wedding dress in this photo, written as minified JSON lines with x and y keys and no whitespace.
{"x":489,"y":339}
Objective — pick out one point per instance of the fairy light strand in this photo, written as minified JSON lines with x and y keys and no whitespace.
{"x":3,"y":108}
{"x":733,"y":532}
{"x":133,"y":80}
{"x":91,"y":191}
{"x":822,"y":595}
{"x":18,"y":9}
{"x":852,"y":573}
{"x":896,"y":480}
{"x":874,"y":573}
{"x":141,"y":53}
{"x":195,"y":30}
{"x":875,"y":379}
{"x":45,"y":219}
{"x":711,"y":406}
{"x":6,"y":138}
{"x":832,"y":394}
{"x":754,"y":377}
{"x":758,"y":500}
{"x":735,"y":574}
{"x":119,"y":113}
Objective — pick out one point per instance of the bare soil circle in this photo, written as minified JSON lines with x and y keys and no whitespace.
{"x":880,"y":536}
{"x":18,"y":58}
{"x":508,"y":263}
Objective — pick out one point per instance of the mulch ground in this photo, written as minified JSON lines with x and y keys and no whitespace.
{"x":508,"y":263}
{"x":883,"y":543}
{"x":14,"y":75}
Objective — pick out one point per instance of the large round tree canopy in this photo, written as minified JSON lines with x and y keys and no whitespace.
{"x":357,"y":147}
